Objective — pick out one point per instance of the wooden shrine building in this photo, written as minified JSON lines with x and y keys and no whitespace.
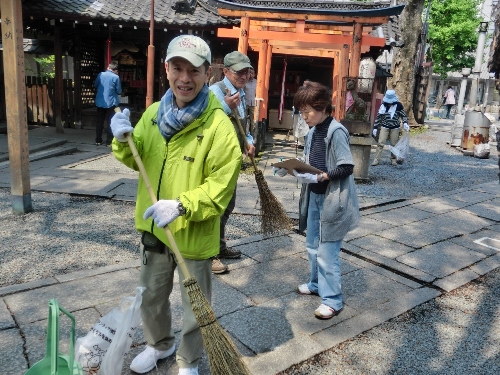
{"x":339,"y":30}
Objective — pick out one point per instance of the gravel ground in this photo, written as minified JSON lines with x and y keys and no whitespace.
{"x":67,"y":233}
{"x":457,"y":333}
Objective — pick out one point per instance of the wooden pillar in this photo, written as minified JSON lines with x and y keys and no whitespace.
{"x":343,"y":73}
{"x":78,"y":82}
{"x":335,"y":84}
{"x":243,"y":39}
{"x":261,"y":77}
{"x":150,"y":70}
{"x":268,"y":76}
{"x":15,"y":103}
{"x":58,"y":78}
{"x":355,"y":49}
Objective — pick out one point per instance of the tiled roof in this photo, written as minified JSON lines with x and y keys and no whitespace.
{"x":124,"y":11}
{"x":375,"y":7}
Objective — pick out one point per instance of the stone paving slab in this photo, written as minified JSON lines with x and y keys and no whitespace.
{"x":418,"y":234}
{"x":12,"y":360}
{"x":405,"y":215}
{"x":364,"y":289}
{"x":468,"y":241}
{"x":396,"y":266}
{"x":367,"y":226}
{"x":382,"y":246}
{"x":461,"y":221}
{"x":489,"y":210}
{"x":441,"y":259}
{"x":72,"y":186}
{"x":6,"y":319}
{"x":32,"y":305}
{"x":439,"y":205}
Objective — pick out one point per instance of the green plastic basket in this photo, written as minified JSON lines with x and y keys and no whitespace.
{"x":54,"y":363}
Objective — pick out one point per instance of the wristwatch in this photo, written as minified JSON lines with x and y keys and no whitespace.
{"x":181,"y":208}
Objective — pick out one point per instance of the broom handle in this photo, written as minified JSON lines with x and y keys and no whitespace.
{"x":242,"y":131}
{"x":144,"y":175}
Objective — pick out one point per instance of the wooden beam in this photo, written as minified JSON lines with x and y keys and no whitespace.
{"x":304,"y":52}
{"x":276,"y":35}
{"x":15,"y":103}
{"x":306,"y":48}
{"x":268,"y":77}
{"x":307,"y":17}
{"x":261,"y":77}
{"x":243,"y":38}
{"x":355,"y":50}
{"x":317,"y":39}
{"x":335,"y":83}
{"x":308,"y":26}
{"x":58,"y":79}
{"x":343,"y":72}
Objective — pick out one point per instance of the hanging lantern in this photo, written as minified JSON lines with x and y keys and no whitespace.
{"x":366,"y":75}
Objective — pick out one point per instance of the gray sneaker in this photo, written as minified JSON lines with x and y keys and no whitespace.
{"x":230,"y":253}
{"x":218,"y":266}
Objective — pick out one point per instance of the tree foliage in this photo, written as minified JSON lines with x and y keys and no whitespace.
{"x":453,"y":34}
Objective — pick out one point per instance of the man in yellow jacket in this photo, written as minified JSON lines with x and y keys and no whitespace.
{"x":192,"y":157}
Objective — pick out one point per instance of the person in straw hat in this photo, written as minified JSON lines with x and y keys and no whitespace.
{"x":387,"y":122}
{"x":192,"y":157}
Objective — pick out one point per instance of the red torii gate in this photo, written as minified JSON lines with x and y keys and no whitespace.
{"x":341,"y":35}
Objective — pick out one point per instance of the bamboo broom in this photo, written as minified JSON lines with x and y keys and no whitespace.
{"x":222,"y":354}
{"x":274,"y":217}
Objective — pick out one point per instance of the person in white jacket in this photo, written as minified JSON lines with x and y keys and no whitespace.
{"x":449,"y":100}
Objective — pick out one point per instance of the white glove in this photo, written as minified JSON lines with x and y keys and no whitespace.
{"x":374,"y":132}
{"x":163,"y":212}
{"x":406,"y":127}
{"x":282,"y":172}
{"x":306,"y":178}
{"x":120,"y":125}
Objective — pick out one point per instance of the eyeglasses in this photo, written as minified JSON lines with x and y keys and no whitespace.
{"x":240,"y":73}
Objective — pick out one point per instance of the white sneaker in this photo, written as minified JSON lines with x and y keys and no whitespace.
{"x":146,"y":360}
{"x":303,"y":289}
{"x":325,"y":312}
{"x":188,"y":371}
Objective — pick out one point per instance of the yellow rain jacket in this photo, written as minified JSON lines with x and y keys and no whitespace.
{"x":199,"y":165}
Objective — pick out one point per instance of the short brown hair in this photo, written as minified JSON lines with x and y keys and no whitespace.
{"x":313,"y":94}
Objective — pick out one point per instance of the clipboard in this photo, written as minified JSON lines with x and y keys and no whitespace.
{"x":298,"y":165}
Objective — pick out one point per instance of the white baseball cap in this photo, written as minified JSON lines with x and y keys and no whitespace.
{"x":189,"y":47}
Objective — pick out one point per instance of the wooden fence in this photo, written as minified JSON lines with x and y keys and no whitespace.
{"x":40,"y":101}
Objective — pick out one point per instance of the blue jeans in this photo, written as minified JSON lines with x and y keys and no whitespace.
{"x":324,"y":262}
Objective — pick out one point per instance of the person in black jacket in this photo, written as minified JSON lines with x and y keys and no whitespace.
{"x":389,"y":116}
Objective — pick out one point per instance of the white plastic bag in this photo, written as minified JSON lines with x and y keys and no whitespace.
{"x":482,"y":151}
{"x":102,"y":350}
{"x":302,"y":128}
{"x":401,"y":148}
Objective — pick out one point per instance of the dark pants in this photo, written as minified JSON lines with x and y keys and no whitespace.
{"x":104,"y":117}
{"x":448,"y":109}
{"x":223,"y":220}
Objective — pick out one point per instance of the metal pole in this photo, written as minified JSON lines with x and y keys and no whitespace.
{"x":151,"y":58}
{"x":463,"y":88}
{"x":483,"y":27}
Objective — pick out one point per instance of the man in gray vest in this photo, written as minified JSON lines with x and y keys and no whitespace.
{"x":230,"y":93}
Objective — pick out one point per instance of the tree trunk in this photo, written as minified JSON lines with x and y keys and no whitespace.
{"x":403,"y":66}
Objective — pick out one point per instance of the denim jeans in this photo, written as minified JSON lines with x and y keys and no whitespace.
{"x":324,"y":262}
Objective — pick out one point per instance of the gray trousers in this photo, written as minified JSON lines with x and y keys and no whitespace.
{"x":392,"y":135}
{"x":157,"y":275}
{"x":223,"y":220}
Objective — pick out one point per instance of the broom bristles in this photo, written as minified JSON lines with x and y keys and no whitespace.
{"x":274,"y":217}
{"x":222,"y":354}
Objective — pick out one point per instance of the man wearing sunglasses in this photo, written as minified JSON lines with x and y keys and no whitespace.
{"x":230,"y":93}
